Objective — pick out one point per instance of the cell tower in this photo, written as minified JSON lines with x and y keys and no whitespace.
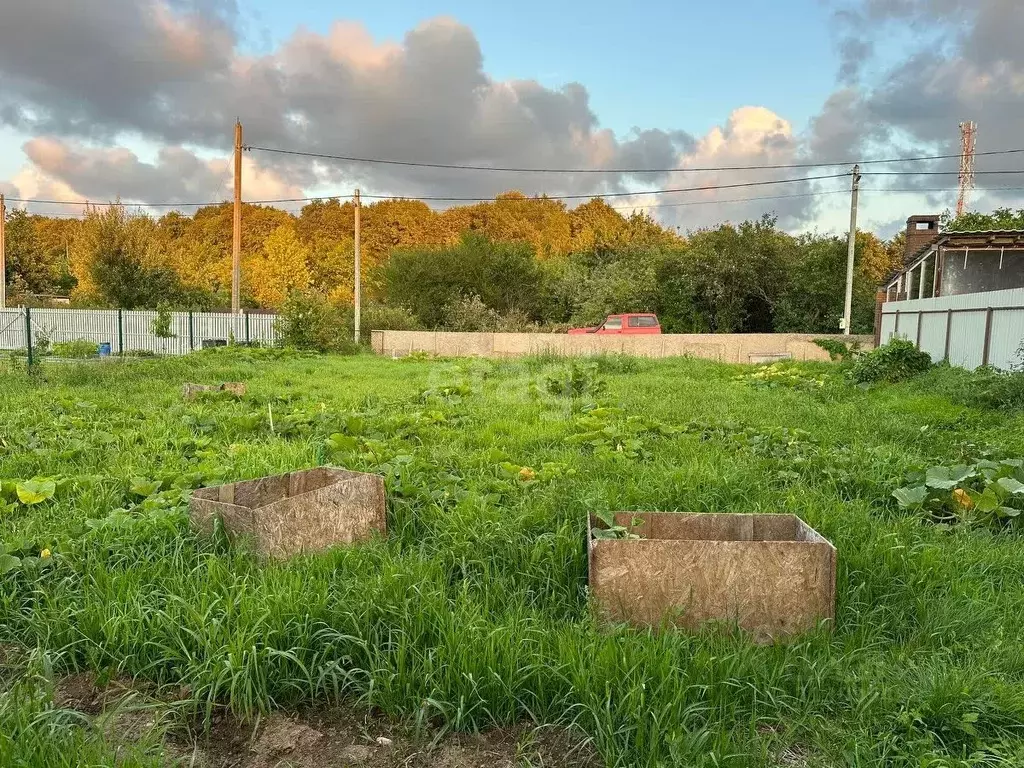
{"x":968,"y":135}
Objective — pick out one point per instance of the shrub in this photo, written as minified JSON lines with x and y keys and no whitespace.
{"x":308,"y":320}
{"x":79,"y":348}
{"x":382,"y":317}
{"x":897,"y":360}
{"x":471,"y":314}
{"x":838,"y":350}
{"x":468,"y":314}
{"x":162,"y":322}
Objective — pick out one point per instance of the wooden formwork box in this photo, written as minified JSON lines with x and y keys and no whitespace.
{"x":772,"y":575}
{"x":296,"y":512}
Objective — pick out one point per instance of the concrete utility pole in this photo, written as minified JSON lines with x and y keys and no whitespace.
{"x":236,"y":237}
{"x":3,"y":253}
{"x":851,"y":248}
{"x":358,"y":289}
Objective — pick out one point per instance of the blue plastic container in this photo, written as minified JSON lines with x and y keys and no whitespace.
{"x":104,"y":349}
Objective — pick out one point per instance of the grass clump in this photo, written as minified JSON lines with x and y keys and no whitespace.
{"x":77,"y":349}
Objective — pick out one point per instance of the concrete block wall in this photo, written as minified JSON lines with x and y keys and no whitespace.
{"x":724,"y":347}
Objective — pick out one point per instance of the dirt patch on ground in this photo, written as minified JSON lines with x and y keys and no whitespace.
{"x":311,"y":737}
{"x":345,"y":738}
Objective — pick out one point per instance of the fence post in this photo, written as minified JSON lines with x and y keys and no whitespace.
{"x":28,"y":335}
{"x":920,"y":322}
{"x":949,"y":330}
{"x":120,"y":332}
{"x":247,"y":340}
{"x":988,"y":336}
{"x":880,"y":297}
{"x":191,"y":334}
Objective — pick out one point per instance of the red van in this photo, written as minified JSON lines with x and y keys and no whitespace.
{"x":639,"y":322}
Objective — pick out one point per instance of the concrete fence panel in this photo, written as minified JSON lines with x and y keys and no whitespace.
{"x":732,"y":348}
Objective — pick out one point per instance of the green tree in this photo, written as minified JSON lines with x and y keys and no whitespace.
{"x":972,"y":221}
{"x":114,"y":262}
{"x":505,"y":276}
{"x":738,"y":274}
{"x":30,"y":269}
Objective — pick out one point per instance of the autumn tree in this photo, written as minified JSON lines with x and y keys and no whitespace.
{"x":116,"y":264}
{"x":280,"y":268}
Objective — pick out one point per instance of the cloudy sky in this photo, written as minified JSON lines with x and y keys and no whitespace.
{"x":136,"y":99}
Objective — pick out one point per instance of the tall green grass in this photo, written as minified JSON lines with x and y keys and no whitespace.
{"x":473,"y":611}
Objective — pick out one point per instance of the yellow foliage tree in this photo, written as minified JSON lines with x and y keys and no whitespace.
{"x":282,"y":267}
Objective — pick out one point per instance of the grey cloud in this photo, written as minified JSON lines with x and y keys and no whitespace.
{"x":172,"y":74}
{"x":178,"y":176}
{"x":92,"y":69}
{"x":963,"y":61}
{"x":853,"y":52}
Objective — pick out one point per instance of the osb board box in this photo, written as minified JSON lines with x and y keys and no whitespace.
{"x":772,"y":575}
{"x":296,"y":512}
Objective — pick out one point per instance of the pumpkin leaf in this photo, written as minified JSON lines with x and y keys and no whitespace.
{"x":911,"y":498}
{"x":35,"y":491}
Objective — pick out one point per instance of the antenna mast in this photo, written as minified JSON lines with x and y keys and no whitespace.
{"x":968,"y":135}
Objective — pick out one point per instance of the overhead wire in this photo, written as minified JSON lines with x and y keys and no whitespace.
{"x":629,"y":171}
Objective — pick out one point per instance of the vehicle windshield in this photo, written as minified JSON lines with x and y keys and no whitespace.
{"x":612,"y":324}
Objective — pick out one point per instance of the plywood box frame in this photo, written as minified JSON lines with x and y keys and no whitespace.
{"x":297,"y":512}
{"x":772,"y":575}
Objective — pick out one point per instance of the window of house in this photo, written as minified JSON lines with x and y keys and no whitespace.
{"x":643,"y":321}
{"x":613,"y":324}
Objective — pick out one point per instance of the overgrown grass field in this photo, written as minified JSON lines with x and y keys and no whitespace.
{"x":473,"y":611}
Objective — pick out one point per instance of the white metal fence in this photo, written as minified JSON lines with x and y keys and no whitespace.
{"x":124,"y":332}
{"x":968,"y":330}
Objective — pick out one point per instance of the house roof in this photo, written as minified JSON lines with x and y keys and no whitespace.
{"x":966,"y":238}
{"x":986,"y":236}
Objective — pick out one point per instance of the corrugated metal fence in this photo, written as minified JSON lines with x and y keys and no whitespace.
{"x":132,"y":331}
{"x":968,"y":330}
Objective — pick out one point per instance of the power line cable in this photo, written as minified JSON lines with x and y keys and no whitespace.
{"x":125,"y":204}
{"x":704,"y":188}
{"x":631,"y":171}
{"x":937,"y":173}
{"x":707,"y":188}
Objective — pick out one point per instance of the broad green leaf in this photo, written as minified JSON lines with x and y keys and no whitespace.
{"x":1011,"y":486}
{"x":8,"y":489}
{"x":940,"y":478}
{"x":35,"y":491}
{"x":608,"y":518}
{"x":354,"y":425}
{"x":342,"y":443}
{"x":961,"y":472}
{"x":496,"y":456}
{"x":1008,"y":512}
{"x":8,"y":563}
{"x":911,"y":498}
{"x":989,"y":501}
{"x":143,"y":487}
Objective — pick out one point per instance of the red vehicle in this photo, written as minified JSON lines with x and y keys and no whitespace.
{"x":639,"y":322}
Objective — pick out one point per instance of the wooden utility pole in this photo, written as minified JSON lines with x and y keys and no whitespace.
{"x":851,"y":248}
{"x":236,"y":237}
{"x":358,"y":289}
{"x":3,"y":253}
